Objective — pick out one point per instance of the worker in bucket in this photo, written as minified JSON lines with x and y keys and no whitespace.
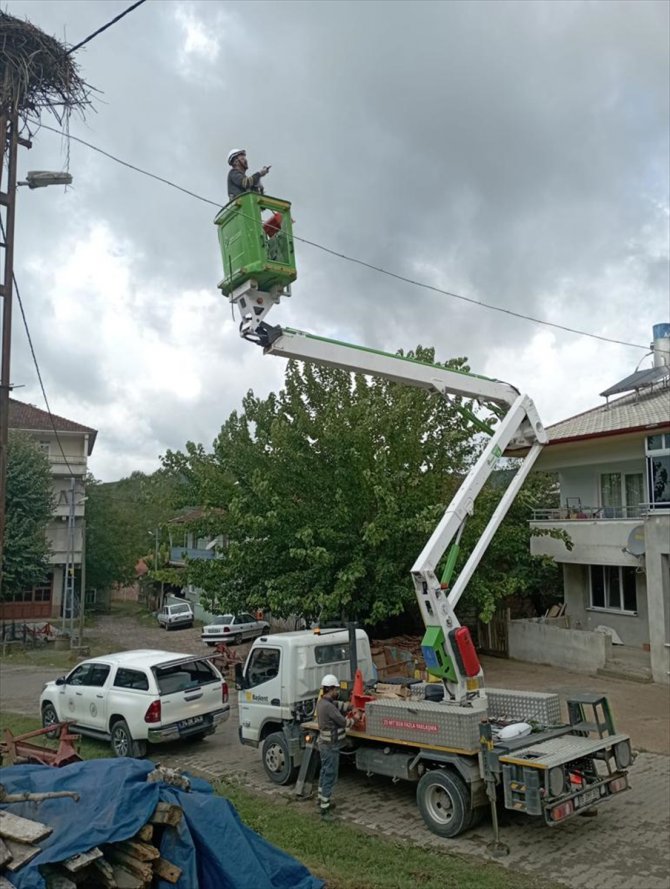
{"x":332,"y":724}
{"x":238,"y":180}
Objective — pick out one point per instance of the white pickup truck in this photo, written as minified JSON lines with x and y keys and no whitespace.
{"x":137,"y":697}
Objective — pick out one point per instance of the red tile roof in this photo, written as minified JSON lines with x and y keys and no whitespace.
{"x":32,"y":419}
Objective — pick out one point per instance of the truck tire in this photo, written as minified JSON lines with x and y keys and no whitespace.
{"x":49,"y":717}
{"x":277,"y":760}
{"x":444,"y":803}
{"x":123,"y":743}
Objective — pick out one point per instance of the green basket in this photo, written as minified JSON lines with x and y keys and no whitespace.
{"x":252,"y":247}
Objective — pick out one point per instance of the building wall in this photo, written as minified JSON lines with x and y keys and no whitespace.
{"x":657,"y":560}
{"x":547,"y":642}
{"x":632,"y":628}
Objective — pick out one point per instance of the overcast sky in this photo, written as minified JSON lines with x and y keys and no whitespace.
{"x":513,"y":152}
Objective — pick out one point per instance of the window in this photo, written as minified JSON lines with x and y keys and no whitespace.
{"x":621,"y":494}
{"x":183,"y":676}
{"x":44,"y":446}
{"x":223,"y":619}
{"x":180,"y":609}
{"x":263,"y":666}
{"x":613,"y":588}
{"x":91,"y":675}
{"x":658,"y":470}
{"x":245,"y":619}
{"x":131,"y":679}
{"x":331,"y":654}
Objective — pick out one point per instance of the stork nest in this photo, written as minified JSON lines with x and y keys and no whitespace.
{"x":37,"y":72}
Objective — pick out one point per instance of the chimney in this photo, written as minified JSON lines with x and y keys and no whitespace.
{"x":661,"y":344}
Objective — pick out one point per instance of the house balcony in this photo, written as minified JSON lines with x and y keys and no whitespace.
{"x":74,"y":464}
{"x":599,"y":535}
{"x":179,"y":554}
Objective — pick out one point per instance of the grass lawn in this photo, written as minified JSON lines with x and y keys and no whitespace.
{"x":343,"y":855}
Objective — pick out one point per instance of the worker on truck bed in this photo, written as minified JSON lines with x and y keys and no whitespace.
{"x":238,"y":181}
{"x":332,"y":724}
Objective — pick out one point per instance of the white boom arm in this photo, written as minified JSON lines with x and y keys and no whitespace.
{"x":520,"y":424}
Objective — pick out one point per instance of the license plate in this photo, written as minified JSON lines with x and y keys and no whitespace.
{"x":187,"y":723}
{"x":587,"y":798}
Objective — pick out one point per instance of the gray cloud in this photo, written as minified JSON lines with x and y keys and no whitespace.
{"x":514,"y":152}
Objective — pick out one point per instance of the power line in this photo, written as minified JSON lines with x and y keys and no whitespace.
{"x":104,"y":27}
{"x":375,"y":268}
{"x":37,"y":367}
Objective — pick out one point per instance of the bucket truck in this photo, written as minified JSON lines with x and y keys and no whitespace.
{"x":462,"y":744}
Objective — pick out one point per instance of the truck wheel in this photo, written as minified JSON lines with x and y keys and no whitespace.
{"x":123,"y":743}
{"x":277,"y":760}
{"x":49,"y":717}
{"x":444,"y":803}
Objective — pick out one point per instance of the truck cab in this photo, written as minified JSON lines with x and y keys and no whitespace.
{"x":279,"y":687}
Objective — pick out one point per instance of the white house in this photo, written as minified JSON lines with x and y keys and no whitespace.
{"x":68,"y":445}
{"x":613,"y":467}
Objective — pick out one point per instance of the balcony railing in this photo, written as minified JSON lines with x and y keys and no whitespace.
{"x":579,"y":513}
{"x":181,"y":553}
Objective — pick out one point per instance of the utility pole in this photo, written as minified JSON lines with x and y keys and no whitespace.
{"x":9,"y":142}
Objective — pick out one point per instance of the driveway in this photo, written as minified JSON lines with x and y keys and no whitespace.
{"x":624,"y":847}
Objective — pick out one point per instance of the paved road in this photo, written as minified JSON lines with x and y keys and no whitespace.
{"x":624,"y":847}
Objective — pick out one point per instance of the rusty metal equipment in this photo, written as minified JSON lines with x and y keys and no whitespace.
{"x":17,"y":748}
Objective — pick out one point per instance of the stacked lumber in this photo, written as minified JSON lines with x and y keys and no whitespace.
{"x":399,"y":656}
{"x":135,"y":863}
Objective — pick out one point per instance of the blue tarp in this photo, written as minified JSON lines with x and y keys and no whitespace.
{"x":211,"y":845}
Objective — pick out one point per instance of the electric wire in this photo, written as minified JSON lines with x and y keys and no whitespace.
{"x":37,"y":367}
{"x":104,"y":27}
{"x":361,"y":262}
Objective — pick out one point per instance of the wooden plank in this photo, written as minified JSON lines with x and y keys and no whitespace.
{"x":23,"y":830}
{"x":102,"y":872}
{"x":166,"y":870}
{"x":166,"y":813}
{"x":21,"y":853}
{"x":125,"y":880}
{"x":77,"y":862}
{"x":56,"y":880}
{"x":5,"y":854}
{"x":145,"y":834}
{"x":140,"y":868}
{"x":141,"y":851}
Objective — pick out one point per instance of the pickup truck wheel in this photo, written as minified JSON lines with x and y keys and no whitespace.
{"x":123,"y":743}
{"x":277,"y":759}
{"x":444,"y":803}
{"x":49,"y":717}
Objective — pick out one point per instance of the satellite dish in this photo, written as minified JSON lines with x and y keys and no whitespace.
{"x":635,"y":545}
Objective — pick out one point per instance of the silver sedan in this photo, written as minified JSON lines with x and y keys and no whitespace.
{"x":234,"y":628}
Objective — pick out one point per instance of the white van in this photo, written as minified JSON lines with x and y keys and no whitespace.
{"x":279,"y":686}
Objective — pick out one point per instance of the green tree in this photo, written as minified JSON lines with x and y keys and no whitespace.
{"x":29,"y":506}
{"x":330,"y":489}
{"x":508,"y":568}
{"x":120,"y":517}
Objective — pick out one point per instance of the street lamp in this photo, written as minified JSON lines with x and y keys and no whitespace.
{"x":44,"y":178}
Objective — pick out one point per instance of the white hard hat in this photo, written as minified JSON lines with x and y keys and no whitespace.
{"x":234,"y":153}
{"x":330,"y":681}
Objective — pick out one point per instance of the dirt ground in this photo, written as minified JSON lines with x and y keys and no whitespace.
{"x":640,"y":710}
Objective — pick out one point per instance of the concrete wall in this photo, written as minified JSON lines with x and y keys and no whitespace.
{"x":547,"y":643}
{"x":657,"y":559}
{"x":632,"y":628}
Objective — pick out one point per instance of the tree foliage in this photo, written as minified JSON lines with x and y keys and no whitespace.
{"x":29,"y":505}
{"x":507,"y":568}
{"x":121,"y":518}
{"x":330,"y":487}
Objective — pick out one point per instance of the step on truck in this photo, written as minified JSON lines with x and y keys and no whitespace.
{"x":465,"y":746}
